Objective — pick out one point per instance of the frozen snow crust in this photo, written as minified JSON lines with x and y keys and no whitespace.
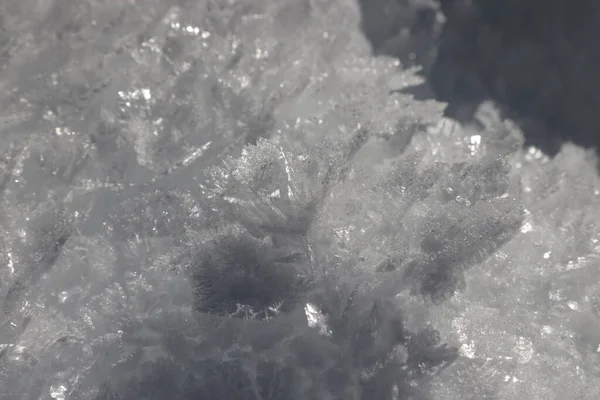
{"x":232,"y":200}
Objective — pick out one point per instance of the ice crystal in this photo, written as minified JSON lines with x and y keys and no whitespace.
{"x":236,"y":200}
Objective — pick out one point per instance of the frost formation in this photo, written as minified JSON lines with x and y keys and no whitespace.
{"x":236,"y":200}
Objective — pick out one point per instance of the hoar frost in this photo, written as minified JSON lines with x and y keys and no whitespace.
{"x":227,"y":202}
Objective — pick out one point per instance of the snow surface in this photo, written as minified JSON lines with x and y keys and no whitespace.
{"x":235,"y":199}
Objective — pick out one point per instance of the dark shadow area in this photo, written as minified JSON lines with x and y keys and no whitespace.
{"x":538,"y":59}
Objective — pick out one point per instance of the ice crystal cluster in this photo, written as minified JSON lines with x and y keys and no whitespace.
{"x":231,"y":199}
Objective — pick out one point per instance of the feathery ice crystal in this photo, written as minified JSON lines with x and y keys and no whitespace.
{"x":234,"y":200}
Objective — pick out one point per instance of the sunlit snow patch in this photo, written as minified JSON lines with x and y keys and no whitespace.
{"x":316,"y":319}
{"x":58,"y":392}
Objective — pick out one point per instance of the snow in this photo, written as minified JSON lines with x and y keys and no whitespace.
{"x":237,"y":199}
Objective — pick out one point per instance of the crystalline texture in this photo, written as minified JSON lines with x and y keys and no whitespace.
{"x":234,"y":199}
